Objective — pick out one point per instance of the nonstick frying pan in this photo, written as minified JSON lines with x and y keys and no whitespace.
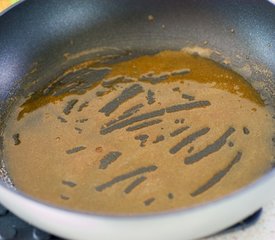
{"x":37,"y":34}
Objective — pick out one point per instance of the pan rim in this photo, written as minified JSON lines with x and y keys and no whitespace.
{"x":241,"y":191}
{"x":208,"y":218}
{"x":254,"y":187}
{"x":11,"y":7}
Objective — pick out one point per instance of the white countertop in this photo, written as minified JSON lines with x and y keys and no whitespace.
{"x":264,"y":229}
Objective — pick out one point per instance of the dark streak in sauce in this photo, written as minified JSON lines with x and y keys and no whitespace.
{"x":149,"y":201}
{"x":246,"y":131}
{"x":190,"y":149}
{"x":170,"y":196}
{"x":109,"y":83}
{"x":189,"y":139}
{"x":144,"y":125}
{"x":156,"y":113}
{"x":120,"y":79}
{"x":82,"y":120}
{"x":216,"y":146}
{"x":69,"y":106}
{"x":176,"y":89}
{"x":154,"y":79}
{"x":132,"y":110}
{"x":128,"y":113}
{"x":109,"y":159}
{"x":217,"y":177}
{"x":150,"y":97}
{"x":179,"y":131}
{"x":159,"y":138}
{"x":69,"y":183}
{"x":16,"y":139}
{"x":82,"y":106}
{"x":126,"y":94}
{"x":63,"y":120}
{"x":63,"y":197}
{"x":132,"y":120}
{"x":125,"y":176}
{"x":187,"y":106}
{"x":79,"y":130}
{"x":75,"y":150}
{"x":134,"y":184}
{"x":188,"y":97}
{"x":143,"y":139}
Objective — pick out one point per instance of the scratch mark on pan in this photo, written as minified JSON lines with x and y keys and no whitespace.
{"x":217,"y":177}
{"x":216,"y":146}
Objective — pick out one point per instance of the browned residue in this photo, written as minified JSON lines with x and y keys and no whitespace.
{"x":205,"y":72}
{"x":162,"y":63}
{"x":38,"y":99}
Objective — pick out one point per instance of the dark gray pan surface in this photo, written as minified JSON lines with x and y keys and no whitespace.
{"x":38,"y":33}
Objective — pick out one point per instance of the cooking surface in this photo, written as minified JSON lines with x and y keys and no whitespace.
{"x":153,"y":133}
{"x":264,"y":229}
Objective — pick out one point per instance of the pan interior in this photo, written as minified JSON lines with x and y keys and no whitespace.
{"x":131,"y":132}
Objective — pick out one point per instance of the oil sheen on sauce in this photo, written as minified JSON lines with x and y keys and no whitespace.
{"x":148,"y":134}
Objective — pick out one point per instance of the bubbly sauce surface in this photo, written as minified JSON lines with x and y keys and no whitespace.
{"x":148,"y":134}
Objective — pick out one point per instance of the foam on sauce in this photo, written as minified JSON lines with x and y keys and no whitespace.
{"x":149,"y":134}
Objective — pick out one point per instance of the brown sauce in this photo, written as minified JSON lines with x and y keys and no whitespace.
{"x":153,"y":133}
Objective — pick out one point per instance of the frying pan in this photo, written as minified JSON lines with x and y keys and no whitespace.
{"x":37,"y":34}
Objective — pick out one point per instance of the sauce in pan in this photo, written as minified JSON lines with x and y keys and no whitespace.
{"x":149,"y":134}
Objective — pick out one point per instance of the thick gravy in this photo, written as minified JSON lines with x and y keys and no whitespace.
{"x":149,"y":134}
